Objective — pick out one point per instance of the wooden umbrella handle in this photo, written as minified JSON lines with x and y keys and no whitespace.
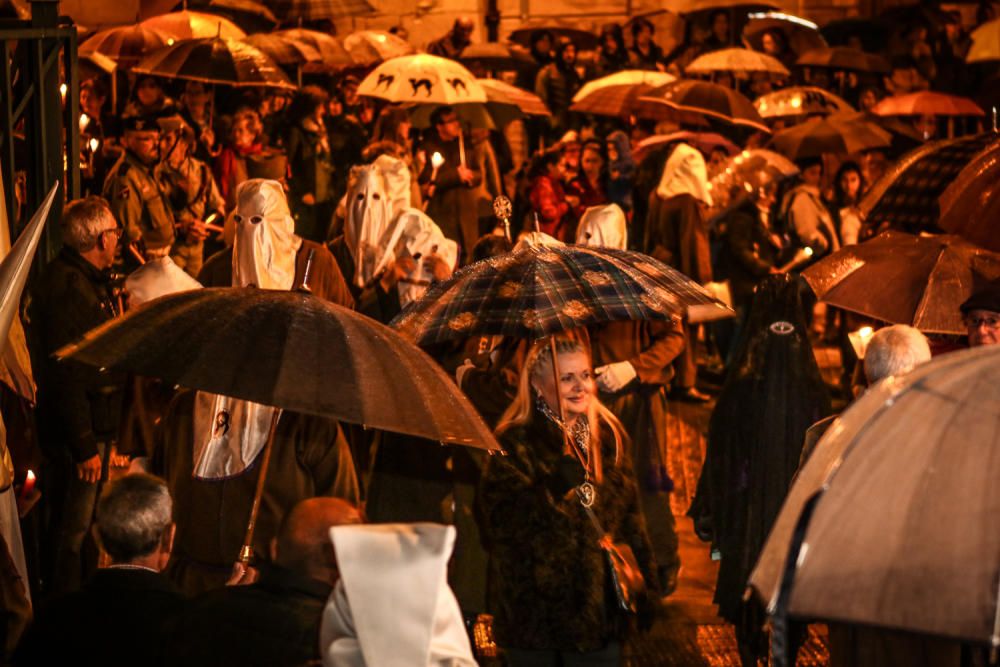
{"x":246,"y":551}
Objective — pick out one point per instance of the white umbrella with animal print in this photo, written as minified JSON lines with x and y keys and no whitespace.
{"x":422,"y":79}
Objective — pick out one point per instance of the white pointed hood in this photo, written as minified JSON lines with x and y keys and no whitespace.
{"x":392,"y":606}
{"x":369,"y":217}
{"x":685,"y":173}
{"x":157,"y":277}
{"x":603,"y":227}
{"x":266,"y":244}
{"x":416,"y":235}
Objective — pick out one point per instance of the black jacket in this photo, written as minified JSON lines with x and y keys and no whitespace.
{"x":747,"y":253}
{"x":115,"y":620}
{"x":547,"y":574}
{"x":78,"y":405}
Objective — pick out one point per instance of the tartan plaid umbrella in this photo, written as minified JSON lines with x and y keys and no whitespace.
{"x":618,"y":94}
{"x":317,"y":10}
{"x":126,"y":44}
{"x":194,"y":25}
{"x":538,"y":291}
{"x":800,"y":101}
{"x":215,"y":61}
{"x":906,"y":197}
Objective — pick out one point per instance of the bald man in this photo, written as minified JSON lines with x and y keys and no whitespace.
{"x":275,"y":621}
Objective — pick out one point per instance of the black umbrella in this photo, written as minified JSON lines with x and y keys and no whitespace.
{"x":216,"y":61}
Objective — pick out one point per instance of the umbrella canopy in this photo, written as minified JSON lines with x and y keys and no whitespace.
{"x":331,"y":52}
{"x":538,"y":291}
{"x":906,"y":197}
{"x":709,"y":99}
{"x":368,"y":47}
{"x":800,"y":35}
{"x":290,"y":350}
{"x":126,"y":44}
{"x":318,"y":10}
{"x":618,"y":94}
{"x":248,"y":14}
{"x":422,"y":79}
{"x":504,"y":103}
{"x":737,"y":61}
{"x":503,"y":93}
{"x":215,"y":61}
{"x":696,"y":6}
{"x":970,"y":206}
{"x":906,"y":279}
{"x":872,"y":34}
{"x":904,"y":534}
{"x":706,"y":142}
{"x":747,"y":171}
{"x":186,"y":24}
{"x":496,"y":56}
{"x":282,"y":50}
{"x":800,"y":101}
{"x":819,"y":136}
{"x":584,"y":39}
{"x":985,"y":43}
{"x":844,"y":58}
{"x":927,"y":103}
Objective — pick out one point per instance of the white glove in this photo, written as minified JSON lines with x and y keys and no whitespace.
{"x":462,"y":370}
{"x":613,"y":377}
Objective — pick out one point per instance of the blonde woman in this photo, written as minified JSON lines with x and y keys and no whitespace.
{"x":552,"y":603}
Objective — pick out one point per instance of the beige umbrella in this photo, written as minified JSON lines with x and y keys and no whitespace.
{"x":985,"y":43}
{"x":904,"y":534}
{"x":422,"y":79}
{"x":368,"y":47}
{"x":618,"y":94}
{"x":126,"y":44}
{"x":194,"y":25}
{"x":800,"y":101}
{"x":738,"y":61}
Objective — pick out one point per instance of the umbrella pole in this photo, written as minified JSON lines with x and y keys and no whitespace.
{"x":246,"y":551}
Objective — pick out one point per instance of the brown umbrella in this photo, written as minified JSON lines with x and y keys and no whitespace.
{"x":496,"y":56}
{"x":194,"y":25}
{"x":843,"y":58}
{"x":527,"y":103}
{"x":282,"y":50}
{"x":370,"y":47}
{"x":906,"y":279}
{"x":249,"y":14}
{"x":583,"y":39}
{"x":985,"y":43}
{"x":904,"y":534}
{"x":819,"y":136}
{"x":317,"y":10}
{"x":702,"y":97}
{"x":737,"y":61}
{"x":800,"y":35}
{"x":215,"y":61}
{"x":970,"y":206}
{"x":126,"y":44}
{"x":331,"y":52}
{"x":800,"y":101}
{"x":927,"y":103}
{"x":618,"y":94}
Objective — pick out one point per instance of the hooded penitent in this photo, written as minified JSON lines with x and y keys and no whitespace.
{"x":685,"y":173}
{"x":265,"y":247}
{"x":603,"y":227}
{"x":772,"y":395}
{"x":369,"y":217}
{"x":392,"y":606}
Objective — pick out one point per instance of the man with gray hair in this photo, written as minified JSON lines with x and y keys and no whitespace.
{"x":78,"y":406}
{"x":117,"y":618}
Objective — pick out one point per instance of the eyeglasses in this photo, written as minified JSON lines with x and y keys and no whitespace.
{"x":117,"y":231}
{"x":976,"y":322}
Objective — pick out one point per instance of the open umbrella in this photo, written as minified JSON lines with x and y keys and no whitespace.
{"x":318,"y":10}
{"x":706,"y":142}
{"x":248,"y":14}
{"x":905,"y":279}
{"x":282,"y":50}
{"x":368,"y":47}
{"x":904,"y":506}
{"x":747,"y":171}
{"x":872,"y":33}
{"x":819,"y":136}
{"x":697,"y":6}
{"x":702,"y":97}
{"x":737,"y":61}
{"x":985,"y":43}
{"x":504,"y":103}
{"x":800,"y":101}
{"x":800,"y":35}
{"x":927,"y":103}
{"x":970,"y":206}
{"x":583,"y":39}
{"x":843,"y":58}
{"x":331,"y":52}
{"x":503,"y":93}
{"x":496,"y":56}
{"x":215,"y":61}
{"x":186,"y":24}
{"x":906,"y":197}
{"x":126,"y":44}
{"x":422,"y":79}
{"x":537,"y":291}
{"x":618,"y":94}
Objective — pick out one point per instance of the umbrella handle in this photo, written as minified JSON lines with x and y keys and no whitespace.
{"x":246,"y":551}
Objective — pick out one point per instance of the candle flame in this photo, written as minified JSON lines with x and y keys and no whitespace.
{"x":30,"y":477}
{"x":437,"y":160}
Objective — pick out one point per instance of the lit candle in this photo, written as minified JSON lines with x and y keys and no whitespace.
{"x":62,"y":91}
{"x":94,"y":144}
{"x":84,"y":122}
{"x":29,"y":485}
{"x":436,"y":161}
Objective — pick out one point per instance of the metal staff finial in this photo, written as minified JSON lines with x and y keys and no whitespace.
{"x":502,"y":209}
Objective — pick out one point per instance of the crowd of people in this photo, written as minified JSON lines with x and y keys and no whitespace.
{"x":188,"y":186}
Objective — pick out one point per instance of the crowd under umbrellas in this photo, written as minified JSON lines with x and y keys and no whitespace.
{"x":419,"y":263}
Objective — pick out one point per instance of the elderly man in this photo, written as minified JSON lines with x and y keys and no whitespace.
{"x":274,"y":622}
{"x":117,"y":618}
{"x":78,"y":405}
{"x":981,"y":314}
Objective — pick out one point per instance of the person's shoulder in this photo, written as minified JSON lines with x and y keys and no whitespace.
{"x":217,"y":269}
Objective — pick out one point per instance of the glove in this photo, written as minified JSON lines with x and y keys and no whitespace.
{"x":462,"y":370}
{"x":614,"y":377}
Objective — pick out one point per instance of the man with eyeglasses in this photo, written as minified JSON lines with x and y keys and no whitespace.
{"x":981,"y":315}
{"x":78,"y":405}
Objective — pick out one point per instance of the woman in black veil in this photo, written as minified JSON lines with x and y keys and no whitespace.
{"x":772,"y":394}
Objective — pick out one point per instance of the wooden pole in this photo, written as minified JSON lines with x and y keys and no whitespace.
{"x":246,"y":552}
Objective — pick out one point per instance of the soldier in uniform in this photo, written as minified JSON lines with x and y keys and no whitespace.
{"x":135,"y":196}
{"x":190,"y":189}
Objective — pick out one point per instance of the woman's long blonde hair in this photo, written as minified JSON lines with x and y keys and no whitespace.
{"x":520,"y":411}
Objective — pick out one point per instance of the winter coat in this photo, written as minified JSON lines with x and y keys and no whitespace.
{"x":548,"y":200}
